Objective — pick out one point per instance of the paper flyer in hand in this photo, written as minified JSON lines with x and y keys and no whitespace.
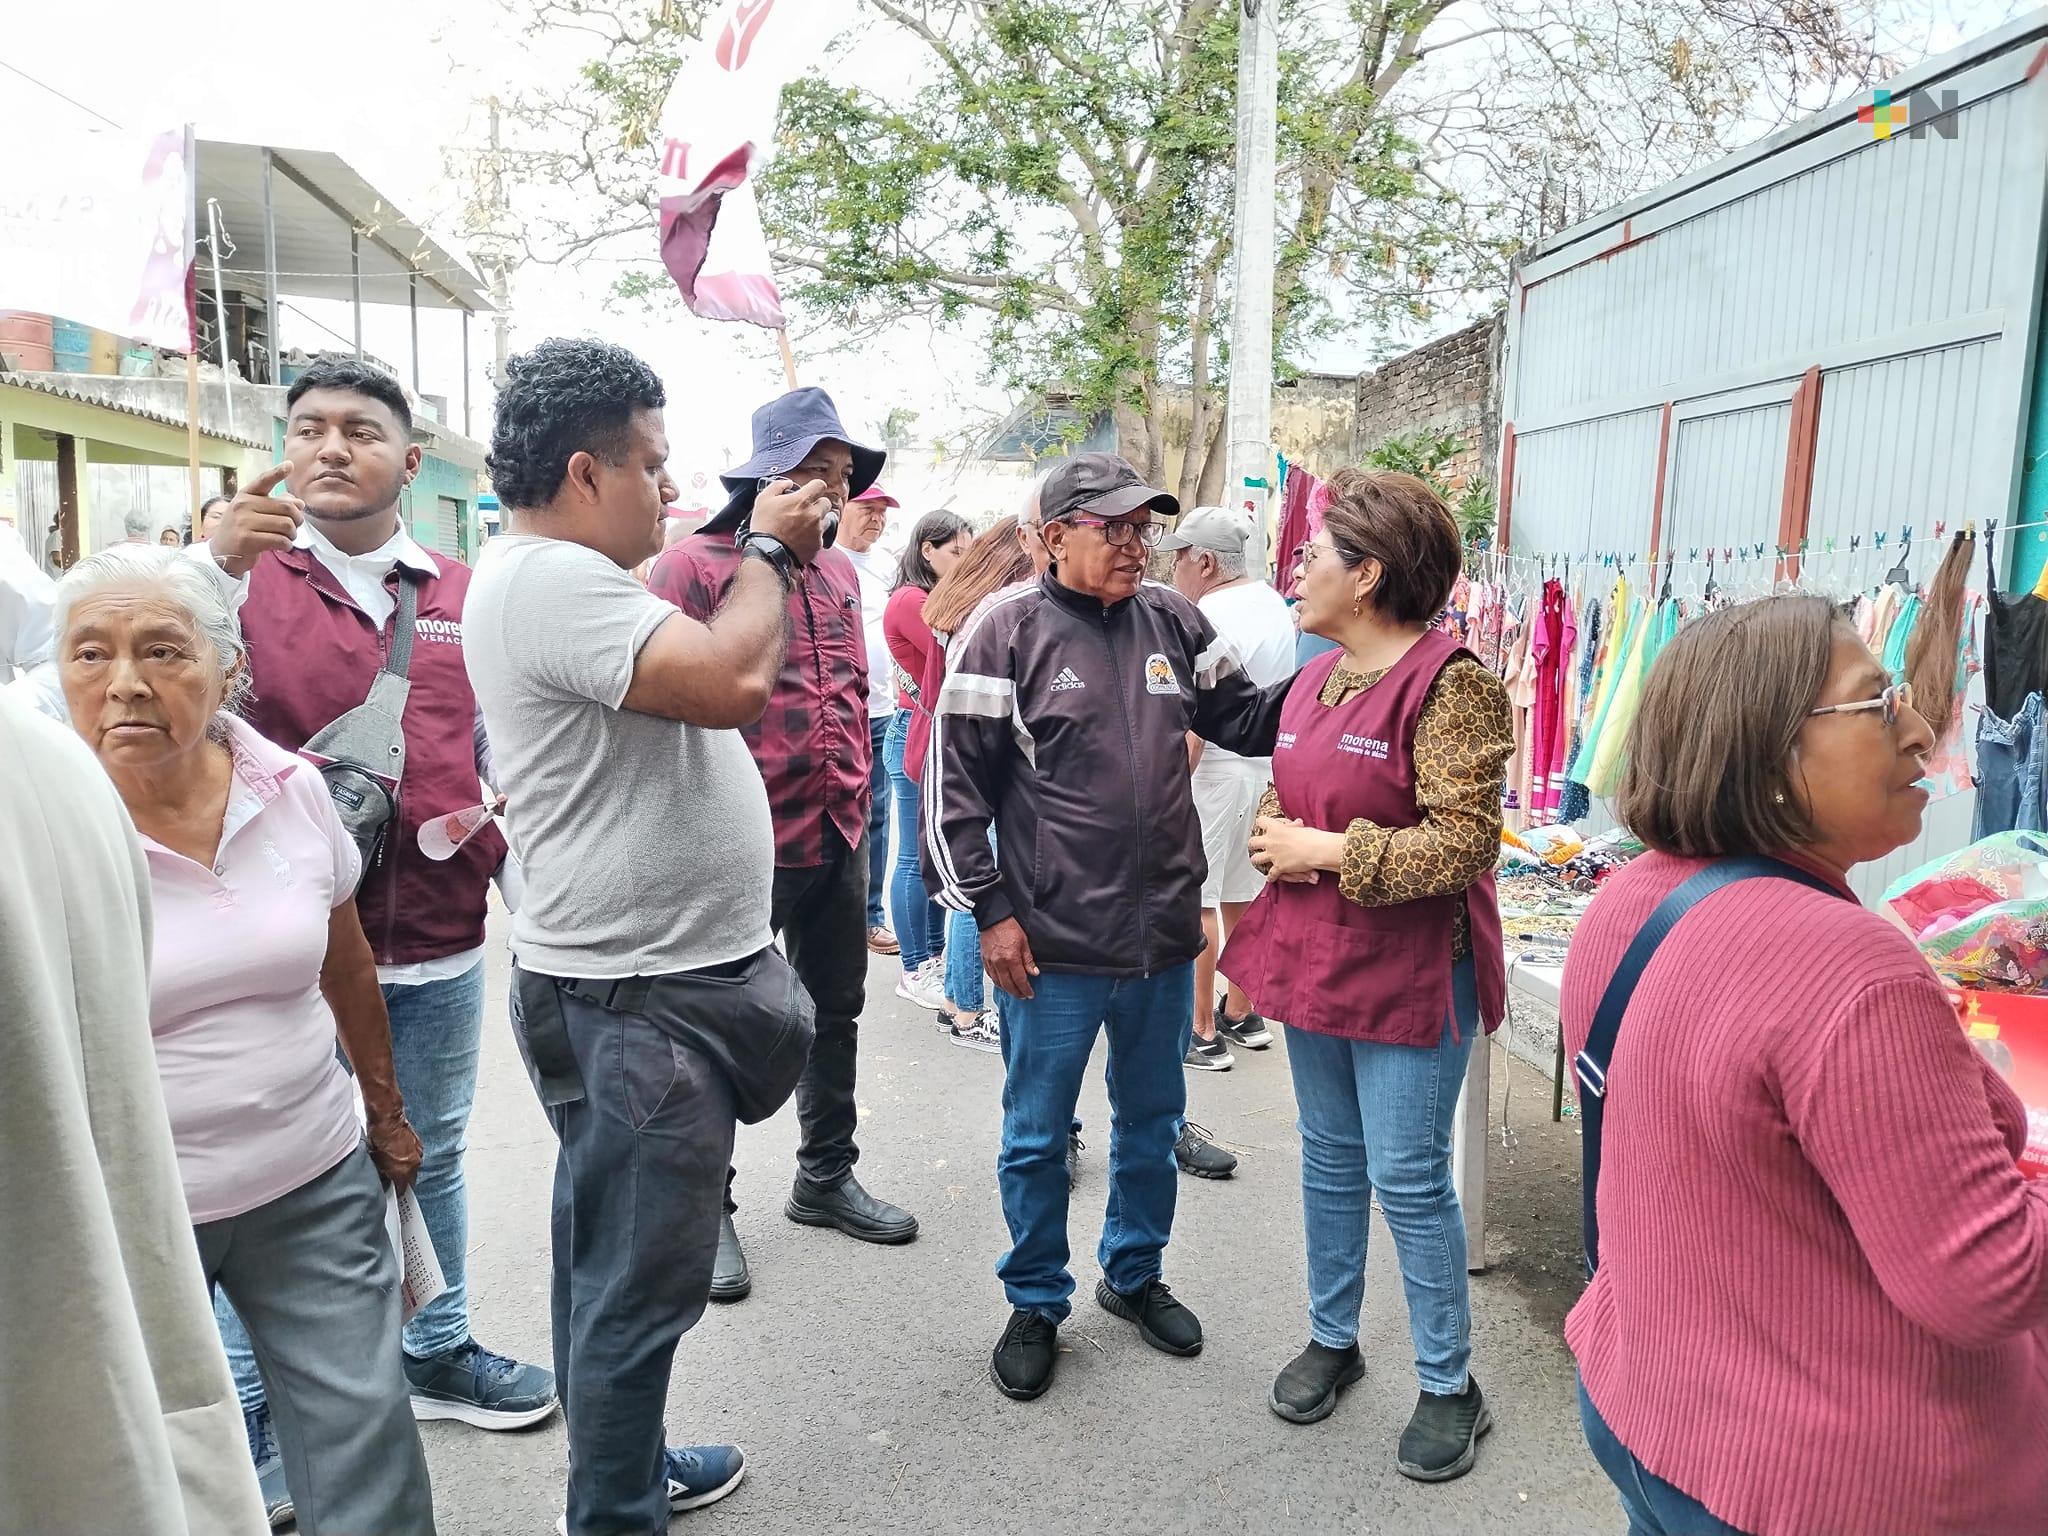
{"x":420,"y":1277}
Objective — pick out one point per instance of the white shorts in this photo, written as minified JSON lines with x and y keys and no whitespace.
{"x":1227,"y":792}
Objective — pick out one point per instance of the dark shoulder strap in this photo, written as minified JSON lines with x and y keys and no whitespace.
{"x":1591,"y":1066}
{"x":399,"y":662}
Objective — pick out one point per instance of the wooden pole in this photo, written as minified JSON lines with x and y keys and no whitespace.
{"x":788,"y":358}
{"x":192,"y":428}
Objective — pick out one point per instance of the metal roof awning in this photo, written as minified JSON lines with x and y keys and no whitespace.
{"x":330,"y":223}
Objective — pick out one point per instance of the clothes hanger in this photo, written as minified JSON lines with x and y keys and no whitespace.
{"x":1899,"y":575}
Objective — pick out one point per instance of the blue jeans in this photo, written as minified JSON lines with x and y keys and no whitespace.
{"x":963,"y":962}
{"x":1653,"y":1506}
{"x":1046,"y":1044}
{"x":918,"y":918}
{"x":2010,"y":764}
{"x":1377,"y":1117}
{"x":436,"y":1032}
{"x":878,"y":819}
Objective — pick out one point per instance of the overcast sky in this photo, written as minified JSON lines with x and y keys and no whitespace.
{"x":388,"y":84}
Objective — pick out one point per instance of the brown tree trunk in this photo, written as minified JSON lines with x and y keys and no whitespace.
{"x":1201,"y":399}
{"x":1215,"y":460}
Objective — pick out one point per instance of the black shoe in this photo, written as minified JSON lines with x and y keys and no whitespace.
{"x":1442,"y":1438}
{"x":1075,"y":1146}
{"x":730,"y":1280}
{"x":1307,"y":1389}
{"x":851,"y":1209}
{"x":1200,"y":1156}
{"x":1162,"y":1322}
{"x":1208,"y":1055}
{"x":1249,"y":1031}
{"x":1025,"y":1356}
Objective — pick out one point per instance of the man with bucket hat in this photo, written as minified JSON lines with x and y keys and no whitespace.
{"x":815,"y":755}
{"x":1062,"y":723}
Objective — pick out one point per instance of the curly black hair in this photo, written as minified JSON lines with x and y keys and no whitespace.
{"x":356,"y":377}
{"x":564,"y":397}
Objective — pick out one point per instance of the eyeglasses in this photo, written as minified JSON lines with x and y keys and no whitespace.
{"x":1119,"y":533}
{"x":1891,"y":701}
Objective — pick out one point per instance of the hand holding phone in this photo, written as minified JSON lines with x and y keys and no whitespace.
{"x":802,"y":517}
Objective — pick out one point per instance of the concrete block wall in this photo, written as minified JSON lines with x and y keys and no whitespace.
{"x":1449,"y":387}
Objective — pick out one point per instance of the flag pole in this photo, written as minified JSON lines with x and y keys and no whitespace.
{"x":192,"y":430}
{"x":788,"y":357}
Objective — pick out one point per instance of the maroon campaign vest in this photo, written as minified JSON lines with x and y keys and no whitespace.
{"x":312,"y":655}
{"x":1316,"y":961}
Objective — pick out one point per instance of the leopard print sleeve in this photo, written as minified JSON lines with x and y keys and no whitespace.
{"x":1462,"y":744}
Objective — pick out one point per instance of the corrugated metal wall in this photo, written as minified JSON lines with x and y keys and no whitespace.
{"x":1908,"y":272}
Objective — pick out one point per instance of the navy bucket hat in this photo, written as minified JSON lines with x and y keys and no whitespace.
{"x":785,"y":432}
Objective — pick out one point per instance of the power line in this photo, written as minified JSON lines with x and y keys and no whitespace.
{"x":46,"y":86}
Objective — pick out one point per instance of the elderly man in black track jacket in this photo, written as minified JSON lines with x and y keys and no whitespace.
{"x":1063,"y":725}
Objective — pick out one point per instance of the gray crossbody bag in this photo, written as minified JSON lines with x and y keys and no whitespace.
{"x":362,"y":754}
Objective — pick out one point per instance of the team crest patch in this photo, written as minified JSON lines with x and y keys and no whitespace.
{"x":1159,"y":676}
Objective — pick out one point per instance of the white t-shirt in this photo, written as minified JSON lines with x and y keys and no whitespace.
{"x":26,"y":596}
{"x":876,"y":569}
{"x":1254,"y":619}
{"x":644,"y":843}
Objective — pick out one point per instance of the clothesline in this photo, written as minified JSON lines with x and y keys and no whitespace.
{"x":1744,"y":553}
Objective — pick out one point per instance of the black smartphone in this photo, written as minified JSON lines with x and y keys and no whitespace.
{"x":773,"y":482}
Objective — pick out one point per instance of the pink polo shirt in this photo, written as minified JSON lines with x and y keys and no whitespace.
{"x":244,"y":1040}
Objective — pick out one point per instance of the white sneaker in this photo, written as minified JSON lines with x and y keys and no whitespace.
{"x":916,"y":986}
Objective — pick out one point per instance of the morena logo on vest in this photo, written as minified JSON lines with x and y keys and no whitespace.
{"x":1362,"y":746}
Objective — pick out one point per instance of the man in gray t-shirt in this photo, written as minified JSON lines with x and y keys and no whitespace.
{"x":650,"y":1008}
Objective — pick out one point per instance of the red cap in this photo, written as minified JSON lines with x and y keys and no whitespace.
{"x":876,"y":493}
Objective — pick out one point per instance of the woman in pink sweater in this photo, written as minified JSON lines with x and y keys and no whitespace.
{"x":1822,"y":1296}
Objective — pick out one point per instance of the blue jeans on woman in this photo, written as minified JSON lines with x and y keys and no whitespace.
{"x":963,"y":962}
{"x":1377,"y":1118}
{"x":1653,"y":1506}
{"x":915,"y":915}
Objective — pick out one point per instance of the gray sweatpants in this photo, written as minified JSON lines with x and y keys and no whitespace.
{"x":316,"y":1283}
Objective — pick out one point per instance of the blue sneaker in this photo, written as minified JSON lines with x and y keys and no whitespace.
{"x":697,"y":1475}
{"x":703,"y":1474}
{"x":472,"y":1385}
{"x":277,"y":1502}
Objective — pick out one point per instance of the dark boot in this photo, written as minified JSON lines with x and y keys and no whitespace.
{"x":850,"y":1209}
{"x":1025,"y":1355}
{"x":1162,"y":1321}
{"x":1307,"y":1389}
{"x":730,"y":1280}
{"x":1442,"y":1438}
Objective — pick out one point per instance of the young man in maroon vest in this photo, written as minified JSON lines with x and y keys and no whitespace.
{"x":1063,"y":725}
{"x":814,"y":749}
{"x":316,"y":568}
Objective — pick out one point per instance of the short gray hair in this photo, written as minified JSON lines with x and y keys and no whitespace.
{"x":180,"y":576}
{"x":1230,"y":562}
{"x":138,"y":523}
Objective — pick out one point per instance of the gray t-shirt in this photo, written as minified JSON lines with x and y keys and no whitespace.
{"x":645,"y":843}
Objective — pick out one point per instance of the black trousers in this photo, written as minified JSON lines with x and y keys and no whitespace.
{"x":821,"y":913}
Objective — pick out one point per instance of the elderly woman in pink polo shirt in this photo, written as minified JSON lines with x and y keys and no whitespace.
{"x":259,"y":966}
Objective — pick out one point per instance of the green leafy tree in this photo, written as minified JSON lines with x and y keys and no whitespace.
{"x":1061,"y":175}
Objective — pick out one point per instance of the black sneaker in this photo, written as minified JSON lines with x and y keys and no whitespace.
{"x":1200,"y":1156}
{"x":1075,"y":1146}
{"x":1209,"y":1055}
{"x":1442,"y":1438}
{"x":1249,"y":1031}
{"x":1025,"y":1355}
{"x":1162,"y":1321}
{"x":476,"y":1386}
{"x":1306,"y":1391}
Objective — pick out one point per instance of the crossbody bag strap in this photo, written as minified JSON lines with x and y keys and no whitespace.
{"x":1590,"y":1067}
{"x":399,"y":662}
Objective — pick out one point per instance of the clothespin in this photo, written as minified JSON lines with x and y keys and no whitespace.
{"x":1855,"y":542}
{"x":1831,"y":544}
{"x":1727,"y":554}
{"x":1940,"y":529}
{"x":1877,"y":541}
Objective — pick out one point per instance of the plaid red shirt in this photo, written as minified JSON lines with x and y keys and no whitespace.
{"x":812,"y":743}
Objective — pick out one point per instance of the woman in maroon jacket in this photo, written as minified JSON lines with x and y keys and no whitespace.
{"x":1377,"y":939}
{"x":935,"y":546}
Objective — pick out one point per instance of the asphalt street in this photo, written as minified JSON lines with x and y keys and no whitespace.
{"x":856,"y":1377}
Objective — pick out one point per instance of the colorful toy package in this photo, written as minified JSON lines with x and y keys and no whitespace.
{"x":1981,"y":915}
{"x":2011,"y":1029}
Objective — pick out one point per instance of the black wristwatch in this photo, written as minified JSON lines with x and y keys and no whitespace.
{"x":765,"y":546}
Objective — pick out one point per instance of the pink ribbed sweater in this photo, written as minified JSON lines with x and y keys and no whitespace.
{"x":1822,"y":1303}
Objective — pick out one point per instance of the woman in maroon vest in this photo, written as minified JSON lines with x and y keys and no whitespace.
{"x":1377,"y":939}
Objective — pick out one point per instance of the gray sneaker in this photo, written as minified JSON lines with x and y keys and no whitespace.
{"x":473,"y":1385}
{"x":1209,"y":1055}
{"x":277,"y":1500}
{"x":979,"y":1033}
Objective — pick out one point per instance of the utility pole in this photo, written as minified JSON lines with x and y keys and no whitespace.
{"x":1250,"y":412}
{"x":493,"y":250}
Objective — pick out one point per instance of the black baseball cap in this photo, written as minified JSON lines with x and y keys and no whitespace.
{"x":1102,"y":485}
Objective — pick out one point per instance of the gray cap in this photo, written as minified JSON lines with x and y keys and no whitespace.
{"x":1217,"y":529}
